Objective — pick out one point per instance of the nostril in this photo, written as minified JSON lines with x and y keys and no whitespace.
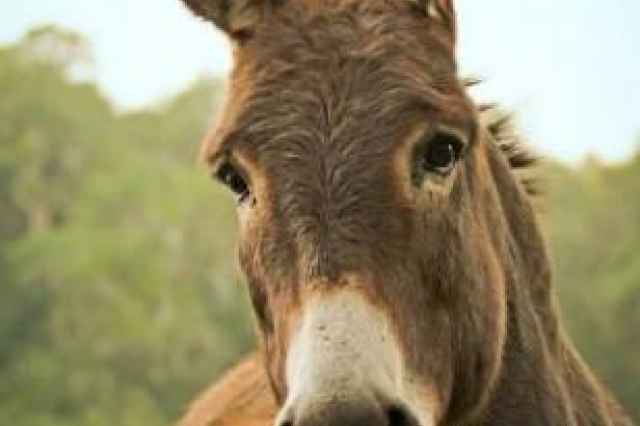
{"x":397,"y":416}
{"x":285,"y":419}
{"x":287,"y":422}
{"x":362,"y":412}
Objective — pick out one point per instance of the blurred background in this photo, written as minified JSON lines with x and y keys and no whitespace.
{"x":119,"y":296}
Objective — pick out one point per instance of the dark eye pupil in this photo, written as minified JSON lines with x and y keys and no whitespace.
{"x":236,"y":183}
{"x":230,"y":177}
{"x":441,"y":153}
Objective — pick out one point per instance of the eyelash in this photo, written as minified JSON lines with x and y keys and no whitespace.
{"x":229,"y":176}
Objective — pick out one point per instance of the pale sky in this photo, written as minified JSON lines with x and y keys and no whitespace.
{"x":569,"y":69}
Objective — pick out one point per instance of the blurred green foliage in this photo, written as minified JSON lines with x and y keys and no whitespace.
{"x":592,"y":217}
{"x":119,"y":297}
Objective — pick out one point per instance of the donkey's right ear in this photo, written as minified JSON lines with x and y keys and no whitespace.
{"x":236,"y":17}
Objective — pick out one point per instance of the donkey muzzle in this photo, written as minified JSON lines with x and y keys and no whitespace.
{"x":344,"y":366}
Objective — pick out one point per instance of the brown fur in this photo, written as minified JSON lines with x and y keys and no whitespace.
{"x":328,"y":103}
{"x":242,"y":397}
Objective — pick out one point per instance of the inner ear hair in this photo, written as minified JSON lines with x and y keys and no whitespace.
{"x":441,"y":11}
{"x":235,"y":17}
{"x":434,"y":10}
{"x":438,"y":10}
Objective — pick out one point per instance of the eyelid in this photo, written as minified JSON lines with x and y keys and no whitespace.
{"x":459,"y":135}
{"x":219,"y":147}
{"x":227,"y":159}
{"x":217,"y":165}
{"x":422,"y":142}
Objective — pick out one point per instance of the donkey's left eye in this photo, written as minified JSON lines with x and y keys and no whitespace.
{"x":441,"y":153}
{"x":229,"y":176}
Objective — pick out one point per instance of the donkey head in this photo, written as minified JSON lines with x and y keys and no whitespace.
{"x":380,"y":223}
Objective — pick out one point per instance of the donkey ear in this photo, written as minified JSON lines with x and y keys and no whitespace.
{"x":442,"y":11}
{"x":235,"y":17}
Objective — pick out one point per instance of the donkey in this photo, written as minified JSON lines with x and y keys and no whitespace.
{"x":393,"y":256}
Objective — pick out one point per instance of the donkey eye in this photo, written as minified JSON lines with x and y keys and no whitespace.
{"x":441,"y":153}
{"x":229,"y":176}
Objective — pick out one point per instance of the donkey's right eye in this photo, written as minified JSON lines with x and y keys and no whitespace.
{"x":442,"y":152}
{"x":436,"y":154}
{"x":229,"y":176}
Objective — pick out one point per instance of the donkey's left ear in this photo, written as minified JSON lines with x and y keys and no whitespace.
{"x":442,"y":11}
{"x":236,"y":17}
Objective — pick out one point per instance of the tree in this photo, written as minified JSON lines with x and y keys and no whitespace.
{"x":119,"y":300}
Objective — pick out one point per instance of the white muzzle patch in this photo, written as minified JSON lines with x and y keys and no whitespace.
{"x":344,"y":346}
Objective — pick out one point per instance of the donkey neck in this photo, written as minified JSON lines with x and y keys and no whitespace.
{"x":532,"y":389}
{"x":544,"y":381}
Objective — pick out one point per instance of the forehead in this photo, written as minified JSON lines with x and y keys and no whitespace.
{"x":317,"y":70}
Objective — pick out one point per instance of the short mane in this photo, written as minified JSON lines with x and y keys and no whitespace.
{"x":504,"y":133}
